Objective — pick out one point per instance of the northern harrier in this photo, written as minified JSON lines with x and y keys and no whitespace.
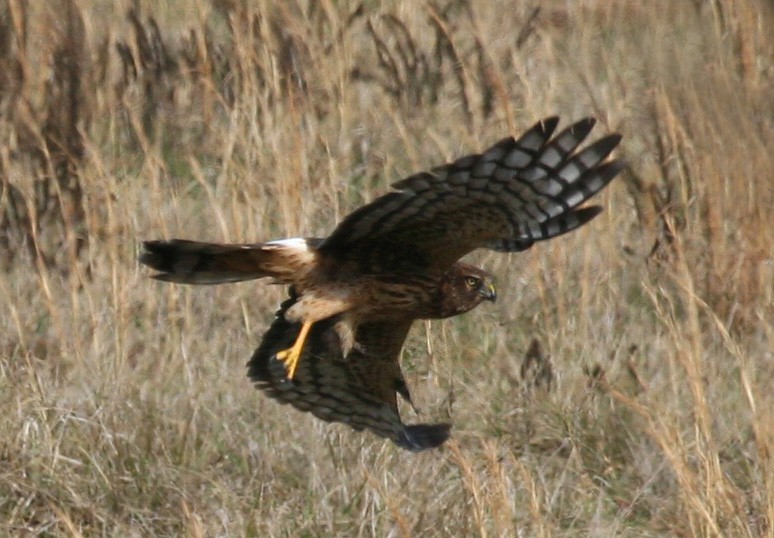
{"x":334,"y":346}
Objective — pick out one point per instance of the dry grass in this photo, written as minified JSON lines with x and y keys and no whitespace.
{"x":126,"y":410}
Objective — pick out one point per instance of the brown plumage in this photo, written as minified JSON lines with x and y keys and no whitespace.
{"x":334,"y":346}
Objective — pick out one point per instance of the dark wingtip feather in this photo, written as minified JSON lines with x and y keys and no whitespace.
{"x":585,"y":214}
{"x":605,"y":145}
{"x":612,"y":168}
{"x":583,"y":127}
{"x":547,"y":125}
{"x":424,"y":436}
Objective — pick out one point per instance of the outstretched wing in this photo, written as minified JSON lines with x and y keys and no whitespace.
{"x":512,"y":195}
{"x":359,"y":390}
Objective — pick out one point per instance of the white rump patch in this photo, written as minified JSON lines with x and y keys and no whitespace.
{"x":294,"y":243}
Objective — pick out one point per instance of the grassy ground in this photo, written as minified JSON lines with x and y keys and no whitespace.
{"x":126,"y":411}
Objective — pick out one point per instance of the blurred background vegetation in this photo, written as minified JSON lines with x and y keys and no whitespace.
{"x":621,"y":387}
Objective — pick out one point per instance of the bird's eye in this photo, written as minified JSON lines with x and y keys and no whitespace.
{"x":472,"y":281}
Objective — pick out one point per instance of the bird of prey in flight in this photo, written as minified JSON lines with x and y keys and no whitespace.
{"x":334,"y":346}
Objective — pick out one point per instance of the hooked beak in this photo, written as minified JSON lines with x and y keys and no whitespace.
{"x":489,"y":292}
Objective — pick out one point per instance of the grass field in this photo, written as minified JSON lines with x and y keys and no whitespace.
{"x":125,"y":406}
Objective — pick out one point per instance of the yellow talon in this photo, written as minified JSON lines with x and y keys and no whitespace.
{"x":291,"y":355}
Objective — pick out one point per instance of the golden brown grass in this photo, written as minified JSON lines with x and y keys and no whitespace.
{"x":126,"y":410}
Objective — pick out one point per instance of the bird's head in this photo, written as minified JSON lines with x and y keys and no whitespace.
{"x":464,"y":287}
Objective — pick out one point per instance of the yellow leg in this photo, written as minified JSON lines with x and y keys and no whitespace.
{"x":291,"y":355}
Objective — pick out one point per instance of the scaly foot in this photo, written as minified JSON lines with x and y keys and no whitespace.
{"x":291,"y":356}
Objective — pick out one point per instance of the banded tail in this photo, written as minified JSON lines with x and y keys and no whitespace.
{"x":193,"y":262}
